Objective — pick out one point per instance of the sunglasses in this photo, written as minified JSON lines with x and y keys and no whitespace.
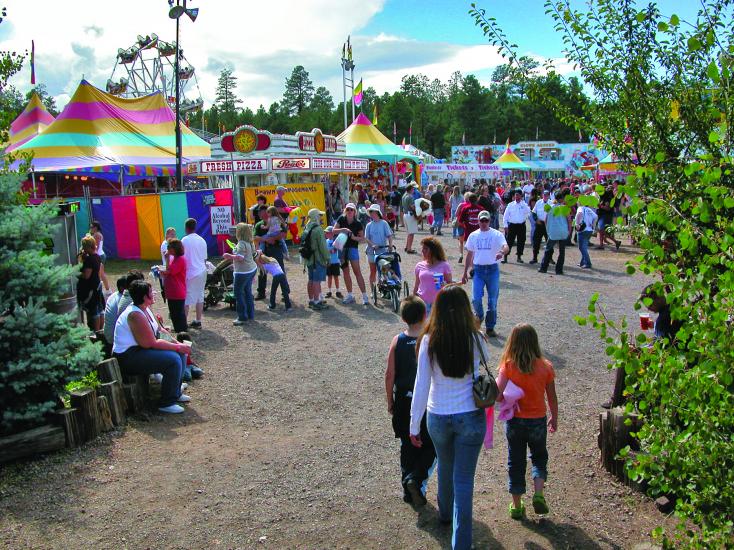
{"x":484,"y":220}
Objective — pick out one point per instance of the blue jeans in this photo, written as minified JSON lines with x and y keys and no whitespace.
{"x":458,"y":439}
{"x":243,"y":295}
{"x":171,"y":365}
{"x":584,"y":237}
{"x":438,"y":219}
{"x":489,"y":276}
{"x":524,"y":433}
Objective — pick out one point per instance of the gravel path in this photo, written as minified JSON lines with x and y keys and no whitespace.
{"x":287,"y":442}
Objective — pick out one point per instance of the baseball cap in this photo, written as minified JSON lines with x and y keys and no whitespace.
{"x":350,"y":205}
{"x":484,"y":215}
{"x":314,"y":214}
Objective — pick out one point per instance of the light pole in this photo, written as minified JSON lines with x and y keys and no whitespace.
{"x":347,"y":77}
{"x":175,"y":13}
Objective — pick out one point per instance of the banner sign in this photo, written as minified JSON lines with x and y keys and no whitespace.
{"x":225,"y":166}
{"x":291,"y":164}
{"x":221,"y":219}
{"x":302,"y":197}
{"x":462,"y":168}
{"x":356,"y":165}
{"x":316,"y":142}
{"x":326,"y":164}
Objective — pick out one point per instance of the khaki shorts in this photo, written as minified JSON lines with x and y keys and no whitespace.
{"x":195,"y":290}
{"x":411,"y":223}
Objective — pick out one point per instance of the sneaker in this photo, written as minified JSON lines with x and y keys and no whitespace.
{"x":196,"y":372}
{"x":552,"y":261}
{"x":439,"y":233}
{"x":328,"y":294}
{"x":520,"y":260}
{"x":310,"y":304}
{"x":183,"y":398}
{"x":461,"y":259}
{"x":415,"y":493}
{"x":318,"y":306}
{"x":585,"y":267}
{"x":541,"y":270}
{"x":432,"y":230}
{"x":539,"y":504}
{"x":271,"y":307}
{"x":533,"y":261}
{"x":195,"y":324}
{"x":517,"y":513}
{"x":172,"y":409}
{"x":617,"y":244}
{"x":365,"y":300}
{"x":339,"y":294}
{"x":504,"y":261}
{"x":260,"y":297}
{"x":491,"y":333}
{"x":184,"y":385}
{"x":288,"y":308}
{"x":348,"y":300}
{"x":238,"y":322}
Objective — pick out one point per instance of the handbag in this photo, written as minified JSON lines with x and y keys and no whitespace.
{"x":484,"y":386}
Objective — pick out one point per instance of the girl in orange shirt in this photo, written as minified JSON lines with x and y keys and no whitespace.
{"x":524,"y":365}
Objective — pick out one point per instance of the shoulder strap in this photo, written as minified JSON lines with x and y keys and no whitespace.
{"x":482,"y":359}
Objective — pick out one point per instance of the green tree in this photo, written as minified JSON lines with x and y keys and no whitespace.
{"x":298,"y":91}
{"x":48,"y":101}
{"x":226,"y":99}
{"x":663,"y":102}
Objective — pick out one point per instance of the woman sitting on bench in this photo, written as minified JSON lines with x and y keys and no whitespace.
{"x":139,"y":350}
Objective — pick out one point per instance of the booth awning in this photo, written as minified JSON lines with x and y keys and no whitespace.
{"x":362,"y":139}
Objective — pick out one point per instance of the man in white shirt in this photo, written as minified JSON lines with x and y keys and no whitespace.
{"x":540,"y":215}
{"x":516,"y":213}
{"x":195,"y":252}
{"x":484,"y":248}
{"x":527,"y":189}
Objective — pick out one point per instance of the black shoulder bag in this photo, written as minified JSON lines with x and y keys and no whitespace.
{"x":484,"y":386}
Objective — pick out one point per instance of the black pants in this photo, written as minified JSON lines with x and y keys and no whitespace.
{"x":262,"y":277}
{"x":178,"y":314}
{"x":414,"y":462}
{"x":285,"y":290}
{"x":549,"y":254}
{"x":516,"y":231}
{"x":538,"y":236}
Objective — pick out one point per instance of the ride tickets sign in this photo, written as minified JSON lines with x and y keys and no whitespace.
{"x":280,"y":164}
{"x":462,"y":168}
{"x":356,"y":165}
{"x":227,"y":166}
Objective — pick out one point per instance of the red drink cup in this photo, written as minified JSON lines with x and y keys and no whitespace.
{"x":645,"y":321}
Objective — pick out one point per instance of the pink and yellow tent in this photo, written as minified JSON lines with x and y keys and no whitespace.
{"x":510,"y":161}
{"x":32,"y":121}
{"x":108,"y":136}
{"x":363,"y":140}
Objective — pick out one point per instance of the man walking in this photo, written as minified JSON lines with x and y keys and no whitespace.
{"x":484,"y":248}
{"x":438,"y":205}
{"x":411,"y":222}
{"x":272,"y":248}
{"x":540,"y":214}
{"x":516,"y":214}
{"x":195,"y":253}
{"x":559,"y":228}
{"x":315,"y":240}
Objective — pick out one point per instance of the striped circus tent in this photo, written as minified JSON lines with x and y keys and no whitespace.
{"x":104,"y":135}
{"x":32,"y":121}
{"x":363,"y":140}
{"x":510,"y":161}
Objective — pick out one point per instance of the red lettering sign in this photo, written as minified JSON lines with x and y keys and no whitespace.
{"x":291,"y":164}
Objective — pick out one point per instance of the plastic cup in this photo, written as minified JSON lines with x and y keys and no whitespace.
{"x":645,"y":321}
{"x":438,"y":280}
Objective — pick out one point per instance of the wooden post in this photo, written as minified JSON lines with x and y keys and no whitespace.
{"x":136,"y":392}
{"x":104,"y":414}
{"x":68,"y":419}
{"x":109,"y":371}
{"x":86,"y":401}
{"x":115,"y":399}
{"x":31,"y":442}
{"x":614,"y":435}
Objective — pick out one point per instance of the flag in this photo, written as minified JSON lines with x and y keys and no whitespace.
{"x":536,"y":133}
{"x":394,"y":133}
{"x":463,"y":138}
{"x":507,"y":145}
{"x":410,"y":133}
{"x":358,"y":94}
{"x":349,"y":48}
{"x":344,"y":50}
{"x":581,"y":138}
{"x":494,"y":138}
{"x":403,"y":142}
{"x":33,"y":62}
{"x":374,"y":115}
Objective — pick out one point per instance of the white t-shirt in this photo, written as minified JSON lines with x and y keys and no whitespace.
{"x":164,"y":251}
{"x":196,"y":253}
{"x":485,"y":245}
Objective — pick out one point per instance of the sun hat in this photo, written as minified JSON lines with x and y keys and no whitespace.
{"x":280,"y":188}
{"x":314,"y":214}
{"x":350,"y":205}
{"x":375,"y":208}
{"x":484,"y":215}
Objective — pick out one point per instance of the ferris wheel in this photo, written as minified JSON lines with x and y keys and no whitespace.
{"x":148,"y":66}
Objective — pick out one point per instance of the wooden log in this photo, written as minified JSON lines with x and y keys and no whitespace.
{"x":109,"y":371}
{"x":86,"y":401}
{"x":38,"y":440}
{"x":116,"y":400}
{"x":104,"y":414}
{"x":134,"y":398}
{"x":68,"y":419}
{"x":140,"y":380}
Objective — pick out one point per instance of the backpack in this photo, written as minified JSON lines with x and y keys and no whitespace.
{"x":306,"y":251}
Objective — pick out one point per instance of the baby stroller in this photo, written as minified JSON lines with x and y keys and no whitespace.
{"x":389,"y":278}
{"x":219,"y":285}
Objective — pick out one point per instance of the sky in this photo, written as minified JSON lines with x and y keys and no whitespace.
{"x":263,"y":40}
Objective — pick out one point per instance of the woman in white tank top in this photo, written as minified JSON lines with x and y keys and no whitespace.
{"x":139,"y":350}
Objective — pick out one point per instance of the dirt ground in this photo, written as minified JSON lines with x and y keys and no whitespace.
{"x":287,"y":442}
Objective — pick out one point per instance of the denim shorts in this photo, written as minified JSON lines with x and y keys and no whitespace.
{"x":317,"y":273}
{"x":458,"y":232}
{"x":351,"y":254}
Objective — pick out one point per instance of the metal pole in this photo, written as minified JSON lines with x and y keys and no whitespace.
{"x":352,"y":93}
{"x":344,"y":89}
{"x":179,"y":175}
{"x":235,"y":191}
{"x":33,"y":179}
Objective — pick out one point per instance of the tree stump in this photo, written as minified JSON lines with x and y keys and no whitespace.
{"x":614,"y":435}
{"x":68,"y":419}
{"x":109,"y":371}
{"x":31,"y":442}
{"x":136,"y":392}
{"x":104,"y":414}
{"x":86,"y":401}
{"x":116,"y":400}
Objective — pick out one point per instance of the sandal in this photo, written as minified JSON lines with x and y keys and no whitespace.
{"x":411,"y":251}
{"x":517,"y":513}
{"x":539,"y":504}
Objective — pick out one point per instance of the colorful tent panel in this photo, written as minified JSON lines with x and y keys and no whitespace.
{"x":134,"y":226}
{"x":32,"y":121}
{"x":510,"y":161}
{"x":97,"y":129}
{"x":363,"y":140}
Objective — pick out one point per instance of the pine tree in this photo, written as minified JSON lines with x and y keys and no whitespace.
{"x":298,"y":91}
{"x":226,"y":99}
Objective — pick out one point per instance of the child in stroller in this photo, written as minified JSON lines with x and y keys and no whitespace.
{"x":389,"y":278}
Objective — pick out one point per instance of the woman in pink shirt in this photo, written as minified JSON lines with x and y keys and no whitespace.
{"x":174,"y":284}
{"x":432,"y":273}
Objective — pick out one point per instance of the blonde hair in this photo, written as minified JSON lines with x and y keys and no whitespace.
{"x":266,"y":259}
{"x":243,"y":232}
{"x":522,"y":348}
{"x":89,"y":244}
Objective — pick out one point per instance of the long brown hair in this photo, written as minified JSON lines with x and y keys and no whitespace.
{"x":522,"y":348}
{"x":451,"y":328}
{"x":435,"y":248}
